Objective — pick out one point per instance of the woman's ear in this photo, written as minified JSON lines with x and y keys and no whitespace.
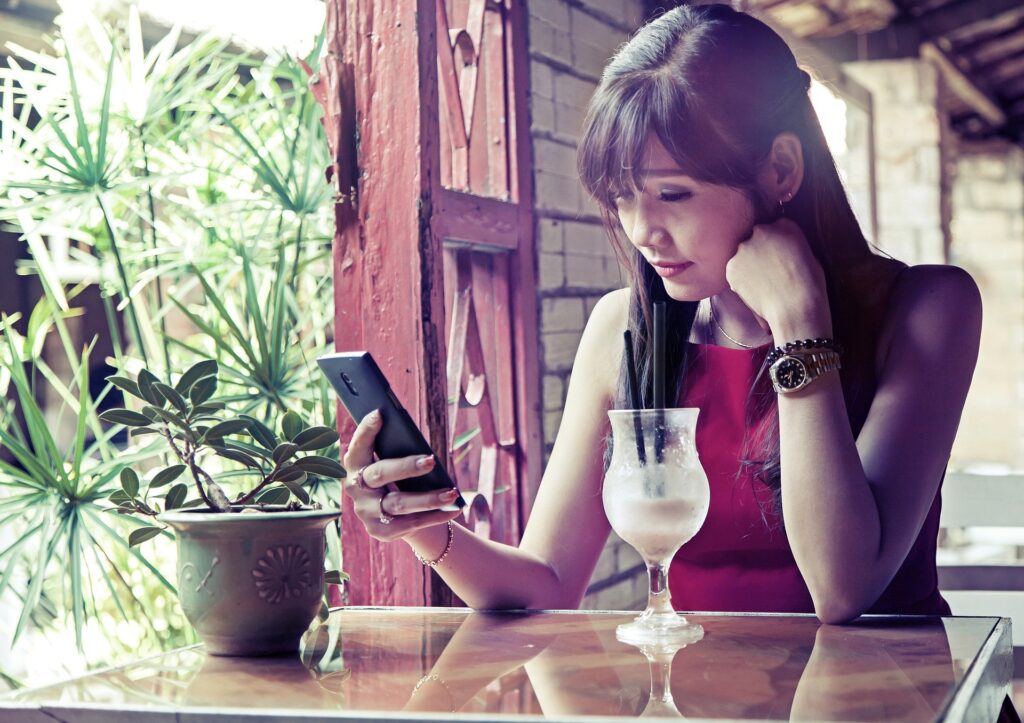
{"x":783,"y":171}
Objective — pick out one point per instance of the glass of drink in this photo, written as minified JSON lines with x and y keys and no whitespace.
{"x":656,"y":497}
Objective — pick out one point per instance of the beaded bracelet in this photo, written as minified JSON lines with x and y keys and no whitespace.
{"x":447,"y":549}
{"x":821,"y":343}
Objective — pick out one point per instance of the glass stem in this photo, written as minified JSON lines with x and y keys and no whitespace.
{"x":661,"y":677}
{"x":659,"y":602}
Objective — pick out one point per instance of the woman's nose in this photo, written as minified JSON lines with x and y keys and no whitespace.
{"x":646,"y":229}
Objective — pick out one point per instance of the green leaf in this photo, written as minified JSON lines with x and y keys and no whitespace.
{"x":298,"y":490}
{"x":130,"y":482}
{"x":315,"y":438}
{"x":166,"y":476}
{"x":274,"y":496}
{"x":284,"y":451}
{"x":125,"y":417}
{"x":146,"y":380}
{"x":140,"y":431}
{"x":141,"y":534}
{"x":171,"y":395}
{"x":237,"y":456}
{"x":119,"y":497}
{"x":290,"y":473}
{"x":291,"y":425}
{"x":324,"y":466}
{"x":335,"y":577}
{"x":199,"y":370}
{"x":228,"y":426}
{"x":208,"y":407}
{"x":175,"y":496}
{"x":127,"y":385}
{"x":261,"y":432}
{"x":202,"y":390}
{"x":166,"y":415}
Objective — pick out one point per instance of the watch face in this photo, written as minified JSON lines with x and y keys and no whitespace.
{"x":790,"y":373}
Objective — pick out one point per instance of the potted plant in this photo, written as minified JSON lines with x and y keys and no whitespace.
{"x":250,"y":570}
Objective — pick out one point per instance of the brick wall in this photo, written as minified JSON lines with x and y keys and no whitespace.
{"x":570,"y":40}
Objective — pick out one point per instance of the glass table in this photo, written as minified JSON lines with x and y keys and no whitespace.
{"x":401,"y":664}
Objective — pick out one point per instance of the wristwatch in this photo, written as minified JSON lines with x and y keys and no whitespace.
{"x":795,"y":370}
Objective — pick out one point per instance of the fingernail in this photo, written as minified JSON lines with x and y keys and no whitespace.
{"x":448,"y":496}
{"x":424,"y":462}
{"x":373,"y":417}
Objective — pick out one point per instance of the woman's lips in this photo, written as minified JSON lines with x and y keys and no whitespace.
{"x":665,"y":271}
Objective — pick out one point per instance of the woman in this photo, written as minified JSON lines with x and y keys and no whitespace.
{"x":705,"y":155}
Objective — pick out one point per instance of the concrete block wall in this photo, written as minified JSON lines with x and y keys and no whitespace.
{"x":988,"y":240}
{"x":912,"y":145}
{"x":570,"y":41}
{"x":945,"y":201}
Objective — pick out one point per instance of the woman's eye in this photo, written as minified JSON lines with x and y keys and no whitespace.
{"x":670,"y":196}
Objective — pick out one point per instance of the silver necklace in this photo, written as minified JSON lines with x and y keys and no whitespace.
{"x":714,"y":319}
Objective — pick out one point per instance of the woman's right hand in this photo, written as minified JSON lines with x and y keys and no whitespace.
{"x":376,"y":499}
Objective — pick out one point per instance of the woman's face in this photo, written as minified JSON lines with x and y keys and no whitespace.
{"x":675,"y":220}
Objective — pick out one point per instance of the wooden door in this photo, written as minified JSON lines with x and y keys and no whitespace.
{"x":425,"y":107}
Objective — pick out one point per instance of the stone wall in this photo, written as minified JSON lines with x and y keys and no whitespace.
{"x":988,"y":240}
{"x":912,"y":145}
{"x":570,"y":40}
{"x":944,"y":201}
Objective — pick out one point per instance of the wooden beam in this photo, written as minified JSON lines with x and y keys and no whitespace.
{"x":899,"y":40}
{"x":963,"y":86}
{"x":957,"y":15}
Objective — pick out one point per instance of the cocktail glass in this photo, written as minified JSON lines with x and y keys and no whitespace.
{"x":656,"y":497}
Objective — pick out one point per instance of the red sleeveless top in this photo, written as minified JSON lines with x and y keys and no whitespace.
{"x":737,"y":562}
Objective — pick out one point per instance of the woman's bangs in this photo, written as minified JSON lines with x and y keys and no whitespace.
{"x":611,"y":153}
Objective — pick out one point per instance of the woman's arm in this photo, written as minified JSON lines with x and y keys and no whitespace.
{"x":567,"y":527}
{"x":853,"y":509}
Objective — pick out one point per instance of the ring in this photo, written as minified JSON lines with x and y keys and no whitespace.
{"x":385,"y":518}
{"x":358,"y":478}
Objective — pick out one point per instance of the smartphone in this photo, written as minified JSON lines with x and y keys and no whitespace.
{"x":362,"y":387}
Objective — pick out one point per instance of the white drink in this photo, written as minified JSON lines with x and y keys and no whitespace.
{"x":656,"y":528}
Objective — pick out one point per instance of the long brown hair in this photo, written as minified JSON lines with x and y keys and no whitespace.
{"x":717,"y":86}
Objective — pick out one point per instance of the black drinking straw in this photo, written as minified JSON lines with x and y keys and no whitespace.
{"x":659,"y":380}
{"x":634,"y":397}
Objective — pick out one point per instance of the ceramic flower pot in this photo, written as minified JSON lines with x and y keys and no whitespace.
{"x":250,"y":584}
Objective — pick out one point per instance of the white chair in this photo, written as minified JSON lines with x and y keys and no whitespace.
{"x":984,"y":575}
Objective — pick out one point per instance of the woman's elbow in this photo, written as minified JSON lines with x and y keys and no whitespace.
{"x":834,"y":609}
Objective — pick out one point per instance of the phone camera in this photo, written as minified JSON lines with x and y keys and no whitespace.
{"x":348,"y":383}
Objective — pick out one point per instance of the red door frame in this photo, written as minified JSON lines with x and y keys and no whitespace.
{"x":379,"y":84}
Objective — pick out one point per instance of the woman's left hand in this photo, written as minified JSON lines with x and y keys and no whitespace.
{"x":777,"y":276}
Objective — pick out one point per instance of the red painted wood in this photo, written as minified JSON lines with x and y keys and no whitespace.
{"x":522,"y":271}
{"x":434,"y":236}
{"x":387,"y":267}
{"x":479,"y":220}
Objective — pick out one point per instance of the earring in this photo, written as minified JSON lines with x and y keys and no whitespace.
{"x":782,"y":201}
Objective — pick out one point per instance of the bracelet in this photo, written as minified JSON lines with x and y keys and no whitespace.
{"x":447,"y":549}
{"x":437,"y":679}
{"x":821,"y":343}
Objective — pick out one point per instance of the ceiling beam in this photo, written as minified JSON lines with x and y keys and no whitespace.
{"x":963,"y":87}
{"x":957,"y":15}
{"x":898,"y":40}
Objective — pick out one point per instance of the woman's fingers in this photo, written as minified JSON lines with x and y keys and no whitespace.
{"x":407,"y":524}
{"x":360,"y":448}
{"x":407,"y":503}
{"x":386,"y":471}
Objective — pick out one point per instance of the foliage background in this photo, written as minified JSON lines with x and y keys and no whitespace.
{"x":182,"y":179}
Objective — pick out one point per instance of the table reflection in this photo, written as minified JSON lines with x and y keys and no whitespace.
{"x":566,"y":664}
